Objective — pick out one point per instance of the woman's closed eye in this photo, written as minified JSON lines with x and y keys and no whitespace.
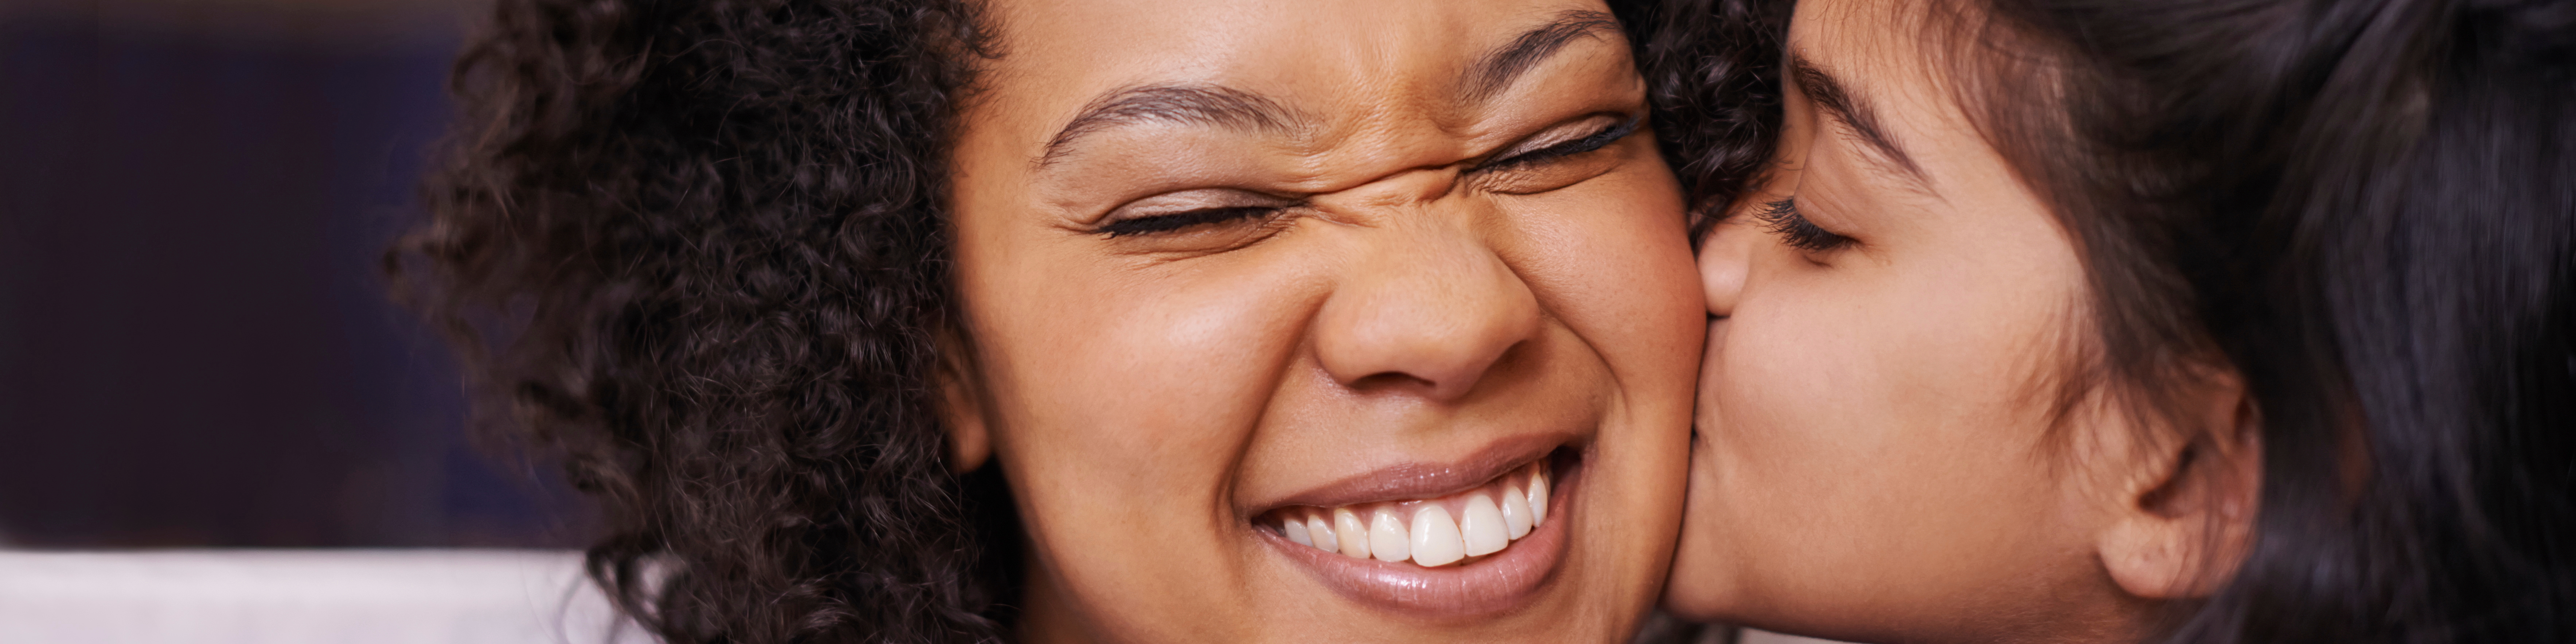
{"x":1782,"y":218}
{"x":1526,"y":163}
{"x":1164,"y":223}
{"x":1599,"y":138}
{"x":1197,"y":221}
{"x":1541,"y":165}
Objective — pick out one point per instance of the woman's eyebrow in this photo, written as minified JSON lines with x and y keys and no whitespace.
{"x":1183,"y":104}
{"x":1496,"y":70}
{"x":1854,"y":111}
{"x":1227,"y":107}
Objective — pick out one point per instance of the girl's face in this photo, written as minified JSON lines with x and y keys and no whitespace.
{"x":1280,"y":312}
{"x":1872,"y":459}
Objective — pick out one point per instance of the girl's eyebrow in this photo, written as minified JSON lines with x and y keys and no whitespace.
{"x":1853,"y":110}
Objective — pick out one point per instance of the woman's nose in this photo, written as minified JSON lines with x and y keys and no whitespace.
{"x":1429,"y":309}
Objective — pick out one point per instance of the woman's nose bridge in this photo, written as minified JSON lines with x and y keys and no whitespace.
{"x":1428,"y":304}
{"x":1417,"y":187}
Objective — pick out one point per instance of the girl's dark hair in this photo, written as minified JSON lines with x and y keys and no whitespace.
{"x":2367,"y":208}
{"x":696,"y":251}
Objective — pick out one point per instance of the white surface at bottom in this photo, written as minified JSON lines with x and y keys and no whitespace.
{"x":304,"y":597}
{"x":324,"y":597}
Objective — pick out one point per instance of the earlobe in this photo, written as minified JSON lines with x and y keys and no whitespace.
{"x":2182,"y":534}
{"x":961,"y":405}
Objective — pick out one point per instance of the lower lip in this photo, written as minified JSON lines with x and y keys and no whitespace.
{"x":1495,"y":584}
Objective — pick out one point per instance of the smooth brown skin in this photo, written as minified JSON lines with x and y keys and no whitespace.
{"x":1874,"y":460}
{"x":1147,"y":394}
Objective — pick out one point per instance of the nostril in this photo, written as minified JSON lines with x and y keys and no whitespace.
{"x":1436,"y":381}
{"x":1393,"y":380}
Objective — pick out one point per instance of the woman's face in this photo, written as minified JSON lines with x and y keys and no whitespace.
{"x":1367,"y":268}
{"x":1871,"y":460}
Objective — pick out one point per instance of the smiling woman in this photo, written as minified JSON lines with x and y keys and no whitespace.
{"x":1228,"y":292}
{"x":1085,"y":321}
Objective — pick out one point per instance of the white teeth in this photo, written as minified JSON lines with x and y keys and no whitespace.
{"x":1355,"y":536}
{"x":1481,"y":526}
{"x":1435,"y":538}
{"x":1538,"y":498}
{"x":1516,"y":511}
{"x":1323,"y":534}
{"x":1387,"y":538}
{"x":1440,"y":532}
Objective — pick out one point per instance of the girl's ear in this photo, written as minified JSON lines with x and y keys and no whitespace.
{"x":2182,"y":529}
{"x":961,"y":403}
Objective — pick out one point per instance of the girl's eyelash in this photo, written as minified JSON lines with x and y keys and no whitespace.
{"x":1782,"y":218}
{"x":1180,"y":220}
{"x":1588,"y":143}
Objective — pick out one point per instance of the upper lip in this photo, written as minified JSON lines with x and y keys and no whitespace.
{"x":1419,"y":480}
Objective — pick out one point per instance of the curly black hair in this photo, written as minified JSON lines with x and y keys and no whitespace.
{"x":696,"y":251}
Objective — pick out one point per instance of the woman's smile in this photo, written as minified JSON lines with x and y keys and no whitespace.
{"x":1465,"y":539}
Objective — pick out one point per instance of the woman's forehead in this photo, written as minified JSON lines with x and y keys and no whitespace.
{"x":1260,"y":35}
{"x":1070,"y":68}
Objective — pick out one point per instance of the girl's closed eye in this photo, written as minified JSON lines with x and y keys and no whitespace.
{"x":1782,"y":218}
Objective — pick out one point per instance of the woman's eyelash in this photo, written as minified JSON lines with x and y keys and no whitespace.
{"x":1782,"y":218}
{"x":1184,"y":219}
{"x":1588,"y":143}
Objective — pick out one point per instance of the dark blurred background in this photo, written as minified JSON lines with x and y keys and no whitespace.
{"x":196,"y":348}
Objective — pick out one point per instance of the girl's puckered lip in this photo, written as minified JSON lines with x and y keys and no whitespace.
{"x":1481,"y":584}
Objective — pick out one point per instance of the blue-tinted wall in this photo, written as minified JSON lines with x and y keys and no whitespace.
{"x":195,"y":344}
